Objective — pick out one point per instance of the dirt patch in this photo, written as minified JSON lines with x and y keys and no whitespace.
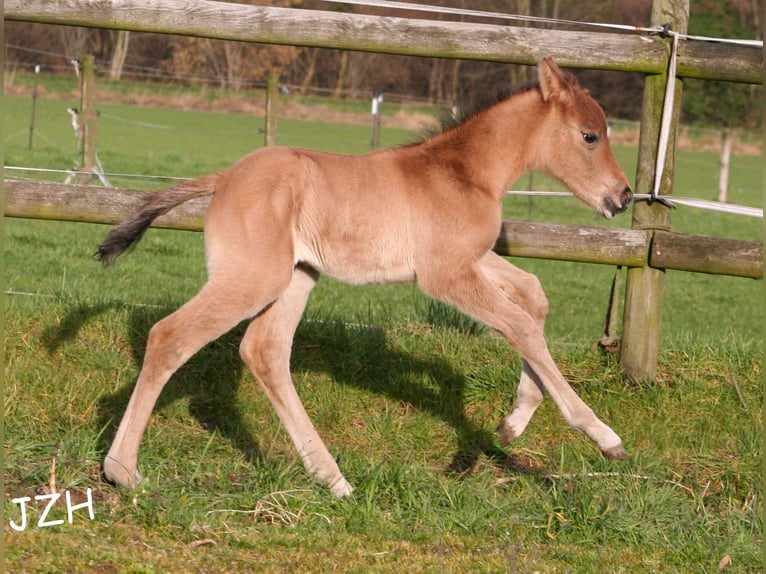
{"x":709,"y":141}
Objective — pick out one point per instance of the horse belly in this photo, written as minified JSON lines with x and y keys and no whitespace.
{"x":359,"y":260}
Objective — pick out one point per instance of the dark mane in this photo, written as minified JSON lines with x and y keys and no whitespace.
{"x":478,"y":104}
{"x":482,"y":102}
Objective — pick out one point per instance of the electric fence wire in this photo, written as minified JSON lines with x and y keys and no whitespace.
{"x":448,"y":10}
{"x":687,"y":201}
{"x":77,"y":172}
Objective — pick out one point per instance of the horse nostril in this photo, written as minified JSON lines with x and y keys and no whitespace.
{"x":627,"y":196}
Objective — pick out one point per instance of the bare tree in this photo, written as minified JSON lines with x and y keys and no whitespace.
{"x":311,"y":55}
{"x":233,"y":53}
{"x":340,"y":79}
{"x":436,"y":80}
{"x":121,"y":39}
{"x":73,"y":40}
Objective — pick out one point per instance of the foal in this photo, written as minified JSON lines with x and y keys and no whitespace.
{"x":428,"y":212}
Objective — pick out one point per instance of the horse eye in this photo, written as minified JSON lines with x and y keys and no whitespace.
{"x":590,"y":138}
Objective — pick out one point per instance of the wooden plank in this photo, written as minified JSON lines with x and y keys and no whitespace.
{"x":706,"y":60}
{"x":407,"y":36}
{"x":566,"y":242}
{"x":702,"y":254}
{"x":92,"y":204}
{"x":534,"y":239}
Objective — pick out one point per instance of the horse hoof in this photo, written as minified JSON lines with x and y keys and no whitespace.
{"x":117,"y":473}
{"x":506,"y":432}
{"x":616,"y":452}
{"x":342,"y":489}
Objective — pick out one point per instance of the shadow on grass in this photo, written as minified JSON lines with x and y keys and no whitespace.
{"x":361,"y":357}
{"x":356,"y":356}
{"x":210,"y":379}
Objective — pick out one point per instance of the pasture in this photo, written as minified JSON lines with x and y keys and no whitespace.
{"x":406,"y":394}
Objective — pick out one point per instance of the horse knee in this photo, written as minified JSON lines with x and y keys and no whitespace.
{"x":541,"y":307}
{"x":538,"y":301}
{"x":262,"y":356}
{"x":251,"y":352}
{"x":162,"y":344}
{"x":159,"y":334}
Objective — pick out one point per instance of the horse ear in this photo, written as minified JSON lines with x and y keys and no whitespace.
{"x":553,"y":83}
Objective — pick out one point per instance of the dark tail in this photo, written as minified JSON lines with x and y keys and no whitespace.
{"x":127,"y":234}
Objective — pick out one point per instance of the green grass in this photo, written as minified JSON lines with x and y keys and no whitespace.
{"x":405,"y":393}
{"x":415,"y":434}
{"x":157,"y":141}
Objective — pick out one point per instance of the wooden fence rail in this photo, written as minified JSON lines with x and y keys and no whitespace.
{"x":406,"y":36}
{"x":542,"y":240}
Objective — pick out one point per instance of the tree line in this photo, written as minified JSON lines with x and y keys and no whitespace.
{"x":237,"y":66}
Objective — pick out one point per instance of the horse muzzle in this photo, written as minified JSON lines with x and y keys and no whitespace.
{"x":612,"y":207}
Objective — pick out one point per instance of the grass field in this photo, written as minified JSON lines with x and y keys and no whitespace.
{"x":421,"y":390}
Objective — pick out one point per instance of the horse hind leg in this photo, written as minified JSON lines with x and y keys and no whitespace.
{"x":525,"y":290}
{"x":216,"y":309}
{"x":472,"y":291}
{"x":265,"y":349}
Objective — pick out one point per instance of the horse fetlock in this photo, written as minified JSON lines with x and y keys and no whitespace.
{"x":513,"y":425}
{"x":124,"y":475}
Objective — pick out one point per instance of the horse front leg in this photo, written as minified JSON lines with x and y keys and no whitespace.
{"x":265,"y":349}
{"x":529,"y":396}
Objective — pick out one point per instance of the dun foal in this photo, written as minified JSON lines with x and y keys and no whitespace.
{"x":428,"y":212}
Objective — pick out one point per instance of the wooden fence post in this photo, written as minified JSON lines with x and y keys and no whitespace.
{"x":34,"y":106}
{"x":377,"y":100}
{"x":87,"y":118}
{"x":723,"y":176}
{"x":272,"y":95}
{"x":645,"y":286}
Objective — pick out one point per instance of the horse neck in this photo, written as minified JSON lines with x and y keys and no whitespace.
{"x":499,"y":144}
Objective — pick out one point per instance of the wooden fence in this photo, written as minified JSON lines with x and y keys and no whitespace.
{"x":647,"y":249}
{"x":406,"y":36}
{"x":540,"y":240}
